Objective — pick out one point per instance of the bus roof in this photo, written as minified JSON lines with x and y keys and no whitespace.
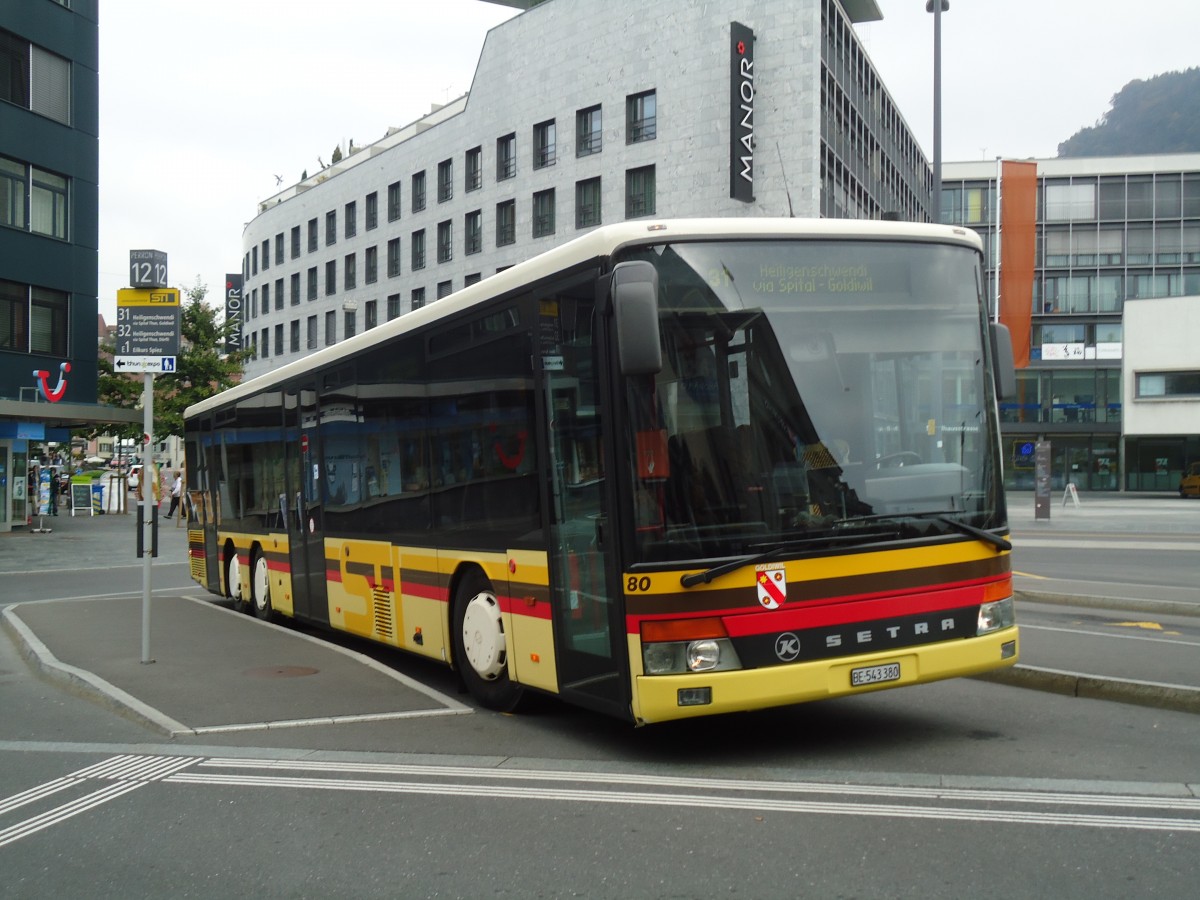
{"x":595,"y":244}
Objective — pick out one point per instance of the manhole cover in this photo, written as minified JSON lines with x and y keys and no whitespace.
{"x":281,"y":672}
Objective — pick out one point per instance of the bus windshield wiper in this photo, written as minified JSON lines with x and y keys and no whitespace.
{"x":944,"y":516}
{"x":833,"y":534}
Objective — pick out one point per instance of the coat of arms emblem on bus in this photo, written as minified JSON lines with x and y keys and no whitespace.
{"x":772,"y":587}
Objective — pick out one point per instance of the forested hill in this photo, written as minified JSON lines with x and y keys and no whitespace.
{"x":1160,"y":115}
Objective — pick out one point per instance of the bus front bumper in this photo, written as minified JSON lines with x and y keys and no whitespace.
{"x":661,"y":698}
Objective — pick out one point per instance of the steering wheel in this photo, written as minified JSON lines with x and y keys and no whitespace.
{"x":895,"y":460}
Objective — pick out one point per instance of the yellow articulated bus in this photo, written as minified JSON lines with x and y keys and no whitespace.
{"x":668,"y":469}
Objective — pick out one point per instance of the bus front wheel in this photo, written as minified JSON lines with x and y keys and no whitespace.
{"x":260,"y":586}
{"x":481,"y":645}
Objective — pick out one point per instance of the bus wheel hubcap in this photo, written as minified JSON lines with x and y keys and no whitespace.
{"x":483,"y":636}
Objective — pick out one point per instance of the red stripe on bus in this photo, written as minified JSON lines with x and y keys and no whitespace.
{"x":842,"y":611}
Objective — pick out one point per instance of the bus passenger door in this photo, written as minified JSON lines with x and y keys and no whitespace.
{"x":587,"y":624}
{"x":306,"y":533}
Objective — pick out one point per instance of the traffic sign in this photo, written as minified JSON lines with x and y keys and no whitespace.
{"x":148,"y":326}
{"x":153,"y":364}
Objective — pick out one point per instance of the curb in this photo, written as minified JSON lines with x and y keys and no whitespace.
{"x":1158,"y":607}
{"x":1175,"y":697}
{"x":83,"y":683}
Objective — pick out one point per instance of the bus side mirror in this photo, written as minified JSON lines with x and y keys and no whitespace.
{"x":1002,"y":359}
{"x":635,"y":309}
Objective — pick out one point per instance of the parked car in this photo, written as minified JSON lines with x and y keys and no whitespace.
{"x":1189,"y":483}
{"x":135,"y":476}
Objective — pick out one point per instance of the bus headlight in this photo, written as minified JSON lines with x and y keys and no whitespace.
{"x":995,"y":616}
{"x":680,"y":657}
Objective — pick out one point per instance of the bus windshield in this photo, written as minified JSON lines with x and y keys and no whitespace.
{"x":814,"y":394}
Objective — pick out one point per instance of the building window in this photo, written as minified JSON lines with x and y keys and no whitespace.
{"x":279,"y":293}
{"x":641,"y":117}
{"x":639,"y":192}
{"x":48,"y":204}
{"x":312,"y":283}
{"x":418,"y":191}
{"x":331,"y":277}
{"x":370,"y":315}
{"x":372,"y":255}
{"x":312,"y":235}
{"x":330,"y":328}
{"x":14,"y":317}
{"x":474,"y":169}
{"x":294,"y":291}
{"x":14,"y":178}
{"x":266,"y":255}
{"x":279,"y":339}
{"x":445,"y":241}
{"x":506,"y":156}
{"x":543,"y":213}
{"x":473,"y":278}
{"x":393,"y":257}
{"x":349,"y":324}
{"x":331,"y":227}
{"x":34,"y":79}
{"x":445,"y":289}
{"x":372,"y":210}
{"x":296,"y":242}
{"x":33,"y":199}
{"x":445,"y":180}
{"x":543,"y":144}
{"x":418,"y":297}
{"x":266,"y":297}
{"x":587,"y":203}
{"x":47,"y":321}
{"x":351,"y":219}
{"x":393,"y":306}
{"x":279,"y":249}
{"x":473,"y":232}
{"x":254,"y":260}
{"x":350,"y":273}
{"x":266,"y":306}
{"x":294,"y":330}
{"x":417,"y":249}
{"x":393,"y":201}
{"x":266,"y":342}
{"x":506,"y":223}
{"x":312,"y":333}
{"x":1167,"y":385}
{"x":589,"y":137}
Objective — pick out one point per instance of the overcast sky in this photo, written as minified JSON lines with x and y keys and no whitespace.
{"x":204,"y":105}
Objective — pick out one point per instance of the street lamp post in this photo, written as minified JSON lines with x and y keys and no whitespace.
{"x":937,"y":7}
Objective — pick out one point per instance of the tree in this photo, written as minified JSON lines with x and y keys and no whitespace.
{"x":202,"y":369}
{"x":1159,"y":115}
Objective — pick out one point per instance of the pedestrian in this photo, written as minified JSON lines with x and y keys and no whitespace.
{"x":176,"y":492}
{"x":53,"y":493}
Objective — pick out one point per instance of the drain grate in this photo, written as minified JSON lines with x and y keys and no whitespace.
{"x":281,"y":672}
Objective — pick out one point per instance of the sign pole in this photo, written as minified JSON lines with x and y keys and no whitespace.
{"x":147,"y":508}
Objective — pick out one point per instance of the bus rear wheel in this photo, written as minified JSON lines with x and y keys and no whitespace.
{"x":260,"y":586}
{"x":233,"y":580}
{"x":481,"y":645}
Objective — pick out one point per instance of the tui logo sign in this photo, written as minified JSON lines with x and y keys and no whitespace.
{"x":43,"y":382}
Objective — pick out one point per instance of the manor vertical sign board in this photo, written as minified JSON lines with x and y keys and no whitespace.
{"x":233,"y":312}
{"x":741,"y":112}
{"x":148,"y":327}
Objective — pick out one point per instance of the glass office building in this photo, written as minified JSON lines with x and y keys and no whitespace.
{"x":1111,"y":232}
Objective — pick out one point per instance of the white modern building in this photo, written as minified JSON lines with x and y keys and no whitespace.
{"x":627,"y":109}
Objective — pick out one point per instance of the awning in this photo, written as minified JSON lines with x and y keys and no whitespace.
{"x":69,"y":415}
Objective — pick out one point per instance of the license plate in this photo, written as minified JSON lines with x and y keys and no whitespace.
{"x":875,"y":674}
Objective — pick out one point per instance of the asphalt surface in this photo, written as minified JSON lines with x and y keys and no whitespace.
{"x":213,"y":670}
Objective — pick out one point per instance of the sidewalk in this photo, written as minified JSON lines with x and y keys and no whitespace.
{"x":217,"y":670}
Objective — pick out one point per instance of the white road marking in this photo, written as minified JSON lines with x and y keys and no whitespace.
{"x":130,"y":772}
{"x":1107,"y":634}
